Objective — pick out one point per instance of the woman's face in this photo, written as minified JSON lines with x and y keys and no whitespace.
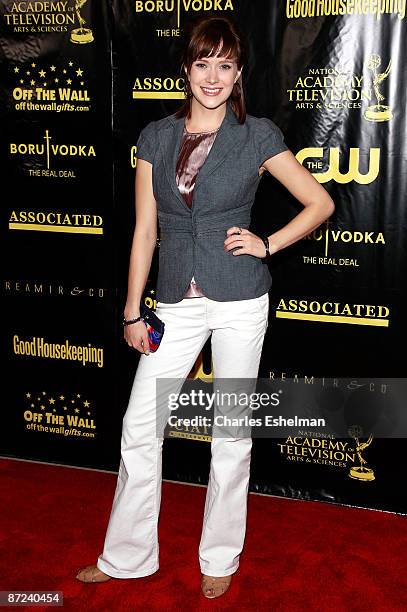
{"x":212,"y":79}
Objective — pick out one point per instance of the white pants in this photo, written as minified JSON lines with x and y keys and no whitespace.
{"x":131,"y":547}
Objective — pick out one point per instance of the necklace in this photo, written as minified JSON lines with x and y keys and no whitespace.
{"x":196,"y":133}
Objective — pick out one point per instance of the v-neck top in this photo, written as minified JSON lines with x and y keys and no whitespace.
{"x":194,"y":149}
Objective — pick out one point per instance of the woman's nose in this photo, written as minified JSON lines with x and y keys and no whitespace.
{"x":212,"y":76}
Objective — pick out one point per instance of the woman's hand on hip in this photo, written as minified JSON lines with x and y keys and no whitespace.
{"x":247,"y":242}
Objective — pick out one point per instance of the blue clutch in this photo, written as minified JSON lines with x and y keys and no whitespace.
{"x":155,"y":326}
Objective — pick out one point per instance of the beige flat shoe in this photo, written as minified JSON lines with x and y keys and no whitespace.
{"x":91,"y":573}
{"x":215,"y":586}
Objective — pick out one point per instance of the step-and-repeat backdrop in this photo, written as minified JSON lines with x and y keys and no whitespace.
{"x":79,"y":80}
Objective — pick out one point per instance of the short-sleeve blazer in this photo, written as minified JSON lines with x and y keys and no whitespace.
{"x":191,"y":239}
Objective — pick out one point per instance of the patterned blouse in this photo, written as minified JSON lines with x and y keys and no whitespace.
{"x":194,"y":149}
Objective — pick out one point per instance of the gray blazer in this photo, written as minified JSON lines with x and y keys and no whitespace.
{"x":192,"y":239}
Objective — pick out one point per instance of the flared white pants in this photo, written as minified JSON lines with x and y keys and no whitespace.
{"x":131,"y":547}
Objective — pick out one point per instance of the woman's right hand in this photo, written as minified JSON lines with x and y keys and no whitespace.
{"x":136,"y":336}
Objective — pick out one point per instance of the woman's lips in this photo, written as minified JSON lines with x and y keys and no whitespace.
{"x":211,"y":91}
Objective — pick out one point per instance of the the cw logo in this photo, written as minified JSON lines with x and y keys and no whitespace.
{"x":333,"y":172}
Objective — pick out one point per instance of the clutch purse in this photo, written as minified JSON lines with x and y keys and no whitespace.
{"x":155,"y":326}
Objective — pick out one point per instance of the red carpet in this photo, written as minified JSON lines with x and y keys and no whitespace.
{"x":299,"y":555}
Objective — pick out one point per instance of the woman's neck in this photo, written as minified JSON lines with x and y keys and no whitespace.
{"x":204,"y":120}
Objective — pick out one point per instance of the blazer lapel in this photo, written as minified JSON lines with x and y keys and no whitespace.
{"x":170,"y":141}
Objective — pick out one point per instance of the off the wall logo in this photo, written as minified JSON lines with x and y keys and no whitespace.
{"x":333,"y":239}
{"x":337,"y":88}
{"x":46,"y":87}
{"x":48,"y":152}
{"x":59,"y":413}
{"x":179,"y":7}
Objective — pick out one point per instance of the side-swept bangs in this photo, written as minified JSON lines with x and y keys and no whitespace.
{"x":215,"y":36}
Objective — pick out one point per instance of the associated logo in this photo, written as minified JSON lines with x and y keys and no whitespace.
{"x":158,"y":88}
{"x":53,"y":221}
{"x":333,"y":312}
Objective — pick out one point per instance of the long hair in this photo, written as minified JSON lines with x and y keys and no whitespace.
{"x":204,"y":36}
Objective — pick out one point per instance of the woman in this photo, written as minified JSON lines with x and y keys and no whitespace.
{"x":198,"y":171}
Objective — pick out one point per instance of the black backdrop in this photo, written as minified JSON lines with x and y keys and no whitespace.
{"x":76,"y":89}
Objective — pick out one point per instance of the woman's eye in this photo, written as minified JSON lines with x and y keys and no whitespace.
{"x":227,"y":66}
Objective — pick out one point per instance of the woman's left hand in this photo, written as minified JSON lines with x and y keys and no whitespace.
{"x":248,"y":243}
